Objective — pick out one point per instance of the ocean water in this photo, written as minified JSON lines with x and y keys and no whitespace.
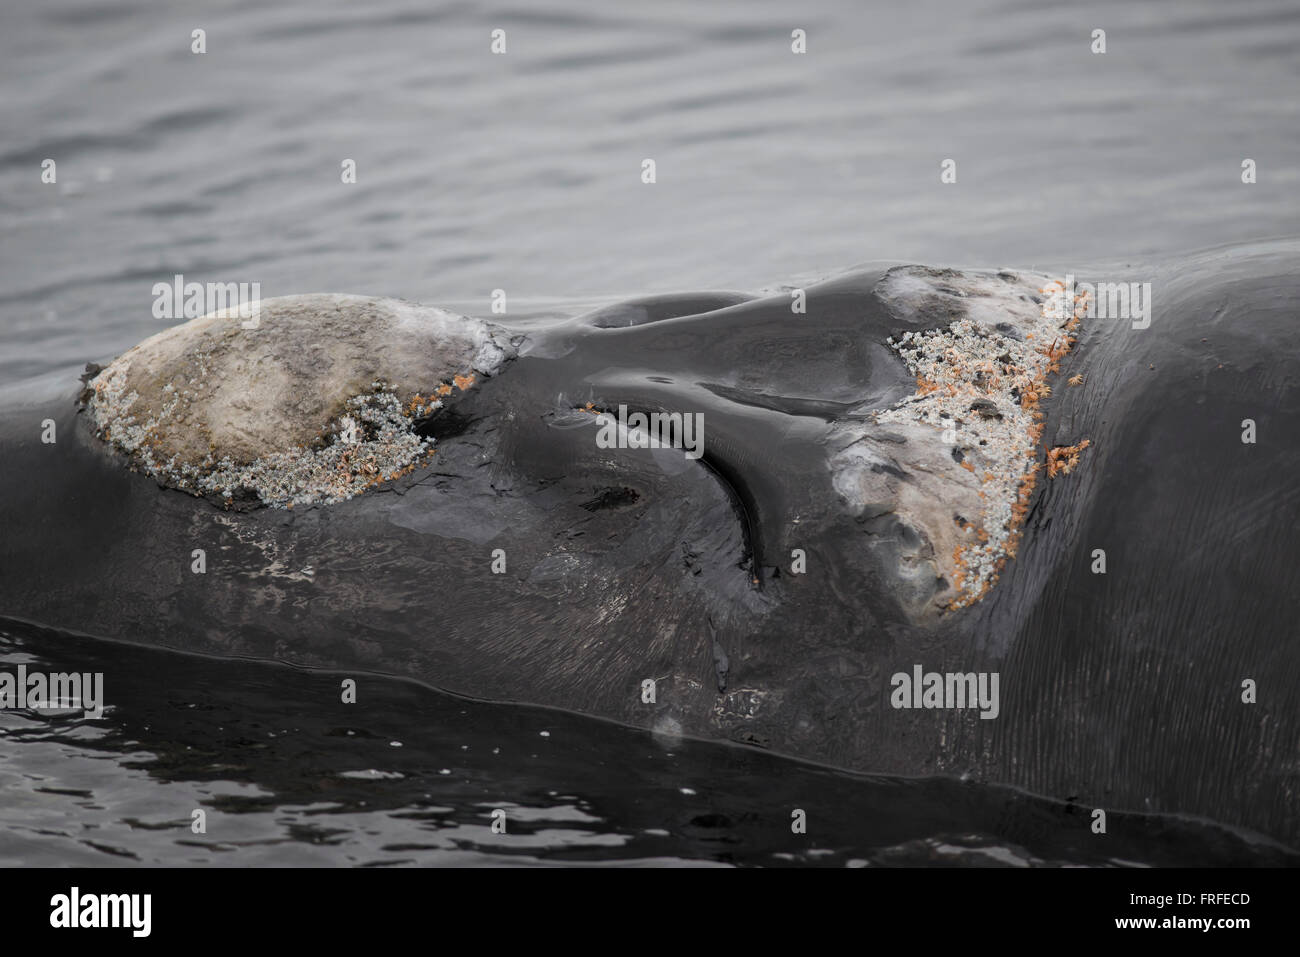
{"x":522,"y":172}
{"x":412,"y":777}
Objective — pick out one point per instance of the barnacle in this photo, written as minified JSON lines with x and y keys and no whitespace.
{"x":370,"y":442}
{"x":970,"y":368}
{"x":1062,"y":459}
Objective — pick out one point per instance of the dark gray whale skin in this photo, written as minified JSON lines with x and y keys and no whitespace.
{"x":1117,"y":691}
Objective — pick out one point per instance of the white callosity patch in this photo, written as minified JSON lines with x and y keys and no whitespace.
{"x":954,"y":462}
{"x":317,"y":403}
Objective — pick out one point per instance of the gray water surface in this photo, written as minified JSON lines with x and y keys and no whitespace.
{"x":522,"y":171}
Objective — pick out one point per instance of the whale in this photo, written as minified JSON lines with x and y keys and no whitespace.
{"x":931,"y":521}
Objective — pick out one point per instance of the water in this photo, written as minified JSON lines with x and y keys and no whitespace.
{"x":286,"y":774}
{"x":522,"y":172}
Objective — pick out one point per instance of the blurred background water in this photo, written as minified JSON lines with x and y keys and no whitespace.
{"x":523,"y":172}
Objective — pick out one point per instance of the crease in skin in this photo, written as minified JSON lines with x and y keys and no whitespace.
{"x":953,"y":465}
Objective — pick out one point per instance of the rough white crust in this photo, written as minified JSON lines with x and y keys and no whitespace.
{"x":955,"y":461}
{"x":315,"y":402}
